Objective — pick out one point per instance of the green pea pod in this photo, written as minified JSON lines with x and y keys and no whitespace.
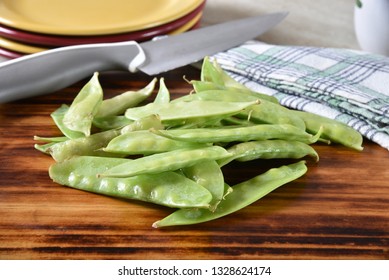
{"x":269,"y":149}
{"x":212,"y":73}
{"x":144,"y":142}
{"x":84,"y":107}
{"x":112,"y":122}
{"x":168,"y":161}
{"x":119,"y":104}
{"x":209,"y":175}
{"x":168,"y":189}
{"x":200,"y":86}
{"x":332,"y":130}
{"x":151,"y":121}
{"x":163,"y":95}
{"x":58,"y":116}
{"x":209,"y":73}
{"x":264,"y":112}
{"x":84,"y":146}
{"x":179,"y":113}
{"x":243,"y":195}
{"x":241,"y":134}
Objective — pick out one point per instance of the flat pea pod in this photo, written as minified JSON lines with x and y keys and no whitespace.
{"x":163,"y":95}
{"x":111,"y":122}
{"x":58,"y":116}
{"x":169,"y":189}
{"x":209,"y":175}
{"x":79,"y":116}
{"x":241,"y":134}
{"x":264,"y":112}
{"x":332,"y":130}
{"x":270,"y":149}
{"x":200,"y":86}
{"x":119,"y":104}
{"x":212,"y":73}
{"x":145,"y":142}
{"x":151,"y":121}
{"x":168,"y":161}
{"x":84,"y":146}
{"x":179,"y":113}
{"x":243,"y":194}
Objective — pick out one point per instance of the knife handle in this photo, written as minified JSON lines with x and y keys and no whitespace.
{"x":52,"y":70}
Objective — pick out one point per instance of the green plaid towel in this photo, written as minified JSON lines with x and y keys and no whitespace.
{"x":346,"y":85}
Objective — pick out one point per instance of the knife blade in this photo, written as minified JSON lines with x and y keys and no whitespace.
{"x":52,"y":70}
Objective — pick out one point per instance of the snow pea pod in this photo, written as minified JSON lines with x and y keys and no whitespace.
{"x":84,"y":146}
{"x":264,"y":112}
{"x":332,"y":130}
{"x":111,"y":122}
{"x":163,"y":95}
{"x":212,"y":73}
{"x":270,"y":149}
{"x":79,"y":116}
{"x":179,"y":113}
{"x":209,"y":175}
{"x":241,"y":134}
{"x":243,"y":194}
{"x":151,"y":121}
{"x":168,"y":189}
{"x":119,"y":104}
{"x":58,"y":116}
{"x":145,"y":142}
{"x":168,"y":161}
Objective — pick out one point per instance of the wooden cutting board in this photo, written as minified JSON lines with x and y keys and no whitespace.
{"x":338,"y":210}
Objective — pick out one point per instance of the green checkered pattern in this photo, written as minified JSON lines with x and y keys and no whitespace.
{"x":346,"y":85}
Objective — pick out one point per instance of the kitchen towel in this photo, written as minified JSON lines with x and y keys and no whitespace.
{"x":347,"y":85}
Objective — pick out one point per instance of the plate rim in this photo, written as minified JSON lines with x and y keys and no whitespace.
{"x":63,"y":40}
{"x":24,"y":49}
{"x":7,"y":18}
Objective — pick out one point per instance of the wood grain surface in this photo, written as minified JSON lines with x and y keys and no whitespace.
{"x":338,"y":210}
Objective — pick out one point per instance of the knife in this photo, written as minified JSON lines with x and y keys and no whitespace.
{"x":52,"y":70}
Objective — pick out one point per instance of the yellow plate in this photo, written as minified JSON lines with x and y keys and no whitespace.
{"x":91,"y":17}
{"x":29,"y":49}
{"x":187,"y":25}
{"x":18,"y":47}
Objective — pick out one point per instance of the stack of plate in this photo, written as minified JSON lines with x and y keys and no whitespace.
{"x":32,"y":26}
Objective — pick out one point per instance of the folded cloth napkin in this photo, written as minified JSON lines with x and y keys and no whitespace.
{"x":347,"y":85}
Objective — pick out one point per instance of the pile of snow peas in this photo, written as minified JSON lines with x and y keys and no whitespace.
{"x":171,"y":151}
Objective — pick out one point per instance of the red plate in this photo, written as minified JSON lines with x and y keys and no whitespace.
{"x":9,"y":54}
